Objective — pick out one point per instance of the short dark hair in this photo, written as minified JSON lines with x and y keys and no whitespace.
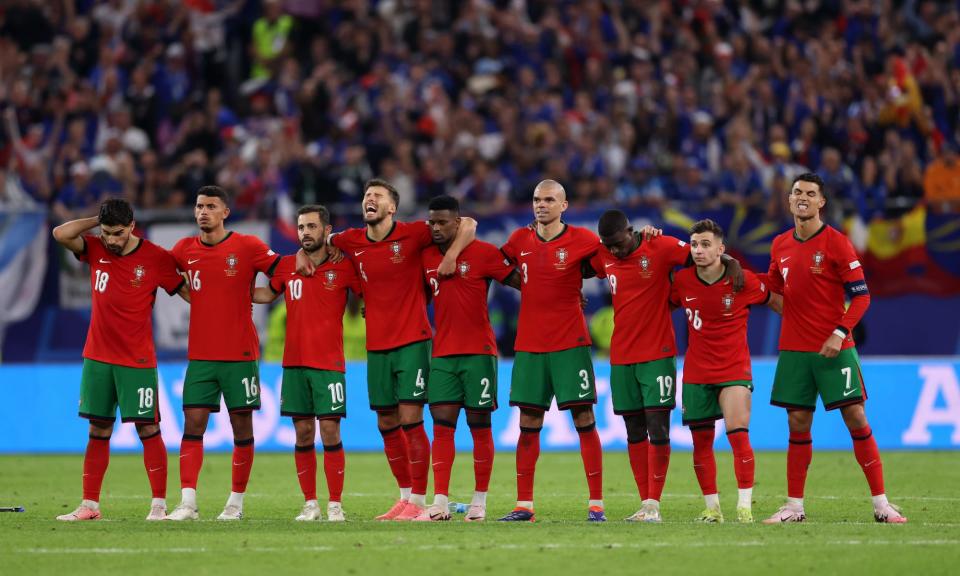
{"x":708,"y":225}
{"x":445,"y":202}
{"x":810,"y":177}
{"x":394,"y":195}
{"x":316,"y":208}
{"x":612,"y":222}
{"x":215,"y":192}
{"x":116,"y":212}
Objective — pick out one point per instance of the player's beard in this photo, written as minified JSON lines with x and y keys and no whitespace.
{"x":313,"y":248}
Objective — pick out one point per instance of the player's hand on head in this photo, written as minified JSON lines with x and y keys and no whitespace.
{"x":447,"y":267}
{"x":532,"y":226}
{"x":305,"y":266}
{"x":335,"y":254}
{"x":649,"y":232}
{"x":831,"y":348}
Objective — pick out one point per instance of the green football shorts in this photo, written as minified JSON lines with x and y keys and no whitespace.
{"x":398,"y":375}
{"x":701,"y":402}
{"x":801,"y":376}
{"x":468,"y":380}
{"x":644,"y":386}
{"x":206,"y":380}
{"x":538,"y":377}
{"x":105,"y":386}
{"x":309,"y":393}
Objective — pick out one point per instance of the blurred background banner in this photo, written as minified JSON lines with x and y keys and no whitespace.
{"x":914,"y":405}
{"x":23,"y":263}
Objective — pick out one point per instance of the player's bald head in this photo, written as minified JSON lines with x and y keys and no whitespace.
{"x":551,"y":187}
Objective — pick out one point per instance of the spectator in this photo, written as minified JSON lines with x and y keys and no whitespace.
{"x":941,"y":181}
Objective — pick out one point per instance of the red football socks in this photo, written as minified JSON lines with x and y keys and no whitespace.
{"x":419,"y":455}
{"x":242,"y":464}
{"x":191,"y":460}
{"x":659,"y":456}
{"x":155,"y":463}
{"x":395,"y":447}
{"x":482,"y":456}
{"x":640,"y":466}
{"x":743,"y":463}
{"x":95,"y":462}
{"x":528,"y":451}
{"x":799,"y":455}
{"x":334,"y":464}
{"x":704,"y":462}
{"x":306,"y":459}
{"x":868,"y":455}
{"x":592,"y":454}
{"x":444,"y":451}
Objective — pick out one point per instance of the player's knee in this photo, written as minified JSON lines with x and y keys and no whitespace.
{"x":306,"y":432}
{"x":800,"y":421}
{"x":531,"y":418}
{"x":636,"y":426}
{"x":330,"y":432}
{"x":100,"y":429}
{"x":145,"y":431}
{"x":478,"y":420}
{"x":582,"y":416}
{"x":658,"y":427}
{"x":854,"y":416}
{"x":242,"y":424}
{"x":445,"y":413}
{"x":388,"y":420}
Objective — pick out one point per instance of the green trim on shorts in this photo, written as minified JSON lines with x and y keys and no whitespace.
{"x":207,"y":380}
{"x":398,"y":375}
{"x":311,"y":393}
{"x":538,"y":377}
{"x":468,"y":380}
{"x":802,"y":376}
{"x":105,"y":387}
{"x":701,"y":402}
{"x":644,"y":386}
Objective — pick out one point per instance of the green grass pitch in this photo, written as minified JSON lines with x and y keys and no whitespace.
{"x":840,"y":536}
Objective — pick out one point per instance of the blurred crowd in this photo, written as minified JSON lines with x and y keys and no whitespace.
{"x":695,"y":104}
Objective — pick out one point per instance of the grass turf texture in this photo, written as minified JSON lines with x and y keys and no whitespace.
{"x":840,"y":535}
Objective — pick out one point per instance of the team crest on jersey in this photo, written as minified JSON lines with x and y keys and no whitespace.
{"x":331,"y":279}
{"x":395,"y":250}
{"x":645,"y":267}
{"x":727,"y":301}
{"x":464,"y":267}
{"x":817,"y":267}
{"x":561,"y":258}
{"x":138,"y":273}
{"x":232,"y":262}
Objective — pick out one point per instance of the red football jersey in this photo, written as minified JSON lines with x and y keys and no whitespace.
{"x":640,"y":286}
{"x":460,"y":302}
{"x":811,"y":275}
{"x":221,"y":279}
{"x":551,"y":318}
{"x":392,"y":279}
{"x":717,"y":321}
{"x":124,"y":289}
{"x":315,"y":306}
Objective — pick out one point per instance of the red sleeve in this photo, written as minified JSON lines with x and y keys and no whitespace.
{"x":497,"y":267}
{"x":264,"y":259}
{"x":90,"y":243}
{"x":675,"y":292}
{"x":847,"y":261}
{"x":177,"y":253}
{"x":754,"y":289}
{"x":854,"y":284}
{"x":510,"y":248}
{"x":277,"y":282}
{"x":346,"y":240}
{"x":679,"y":251}
{"x":774,"y":277}
{"x":421,"y":231}
{"x":353,"y":281}
{"x":170,"y":279}
{"x":596,"y":262}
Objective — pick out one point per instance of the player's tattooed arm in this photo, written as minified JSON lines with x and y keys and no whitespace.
{"x":184,"y":291}
{"x":649,"y":232}
{"x":264,"y":295}
{"x":734,"y":271}
{"x":775,"y":303}
{"x":70,"y":234}
{"x":305,"y":266}
{"x":466,"y":233}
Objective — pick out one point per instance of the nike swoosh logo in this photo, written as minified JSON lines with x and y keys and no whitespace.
{"x":335,"y":408}
{"x":584,"y":394}
{"x":661,"y":477}
{"x":249,"y":402}
{"x":849,"y":392}
{"x":747,"y":460}
{"x":664,"y":400}
{"x":525,"y":253}
{"x":609,"y":265}
{"x":418,"y":394}
{"x":690,"y":299}
{"x":102,"y":261}
{"x":394,"y":459}
{"x":239,"y":463}
{"x":869,"y":463}
{"x":340,"y":472}
{"x":359,"y":253}
{"x":431,"y":270}
{"x":593,"y":473}
{"x":483,"y":403}
{"x":142,"y":412}
{"x":155,"y":469}
{"x":190,"y":262}
{"x":782,"y":260}
{"x":301,"y":473}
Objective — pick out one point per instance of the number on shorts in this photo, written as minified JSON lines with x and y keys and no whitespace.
{"x":146,"y":397}
{"x":693,"y":316}
{"x":421,"y":383}
{"x":846,"y":372}
{"x":436,"y":286}
{"x":613,"y":283}
{"x":485,"y":393}
{"x":336,"y":392}
{"x":194,"y":276}
{"x":666,"y":385}
{"x":100,"y":283}
{"x":586,"y":379}
{"x":296,"y":289}
{"x":250,"y":385}
{"x":523,"y":268}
